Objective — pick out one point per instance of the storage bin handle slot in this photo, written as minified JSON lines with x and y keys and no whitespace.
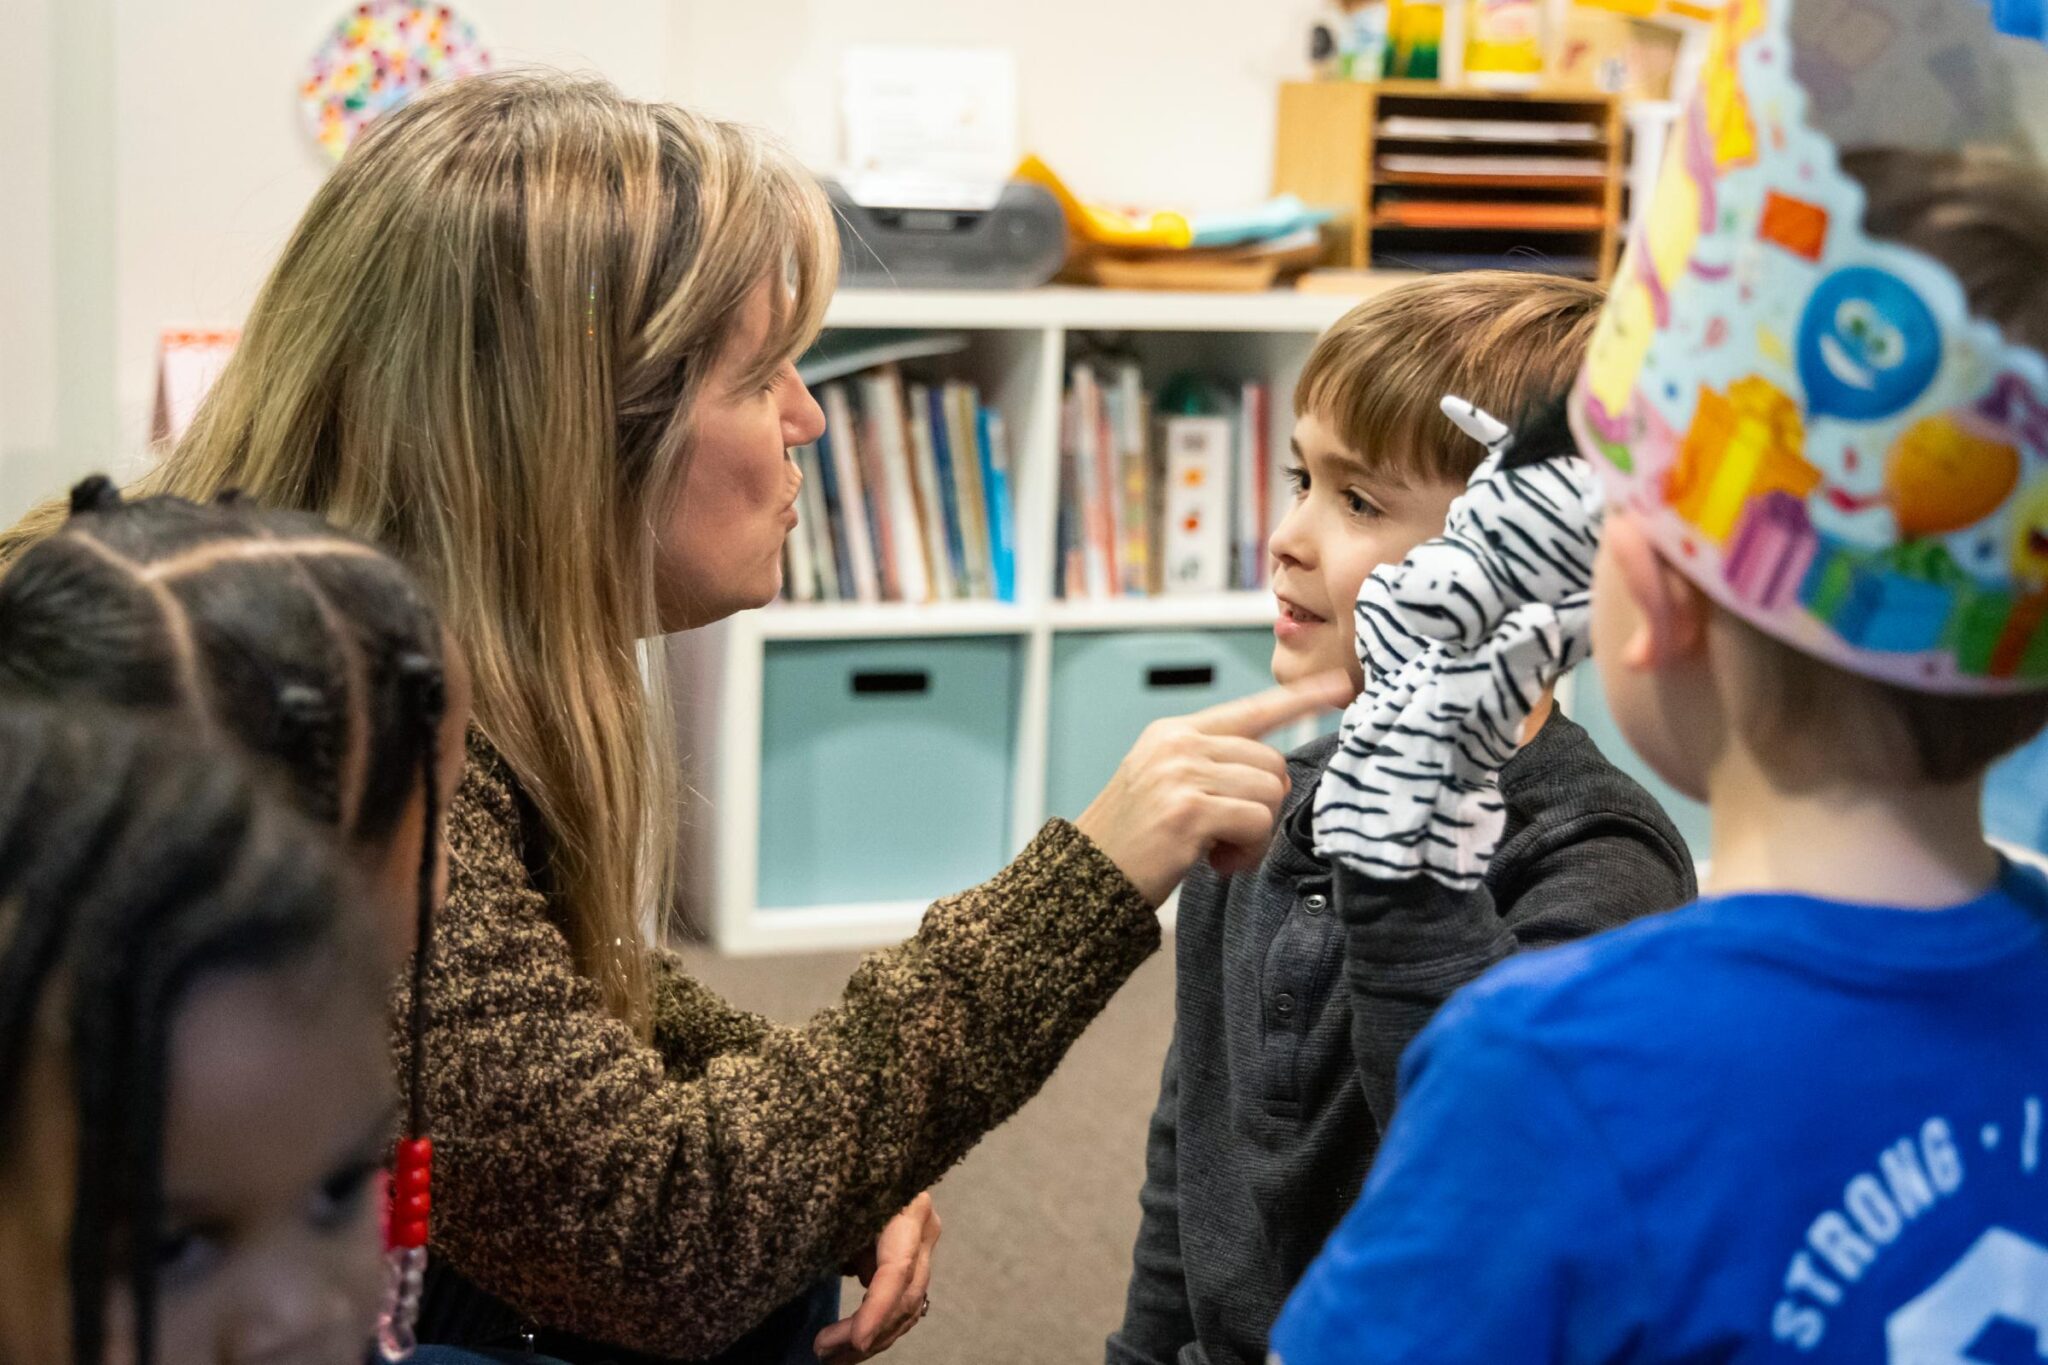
{"x":1191,"y":675}
{"x":892,"y":681}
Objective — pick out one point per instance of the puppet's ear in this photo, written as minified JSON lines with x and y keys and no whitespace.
{"x":1475,"y":421}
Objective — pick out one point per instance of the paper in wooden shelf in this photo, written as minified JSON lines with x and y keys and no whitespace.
{"x":1502,"y":167}
{"x":1414,"y":127}
{"x":1485,"y":215}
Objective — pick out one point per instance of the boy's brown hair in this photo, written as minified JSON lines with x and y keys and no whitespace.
{"x":1984,"y":215}
{"x":1510,"y":341}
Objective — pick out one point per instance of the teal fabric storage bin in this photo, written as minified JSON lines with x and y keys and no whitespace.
{"x":1589,"y":708}
{"x":1108,"y":686}
{"x":885,"y":768}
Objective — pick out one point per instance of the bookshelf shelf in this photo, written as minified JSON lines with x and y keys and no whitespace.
{"x":1223,"y":610}
{"x":1018,"y":345}
{"x":857,"y":620}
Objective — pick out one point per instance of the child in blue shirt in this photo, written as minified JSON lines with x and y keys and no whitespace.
{"x":1803,"y":1118}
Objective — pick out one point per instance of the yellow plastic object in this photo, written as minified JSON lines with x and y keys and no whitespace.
{"x":1107,"y":227}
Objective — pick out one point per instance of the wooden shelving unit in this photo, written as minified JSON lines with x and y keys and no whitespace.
{"x":1424,"y":176}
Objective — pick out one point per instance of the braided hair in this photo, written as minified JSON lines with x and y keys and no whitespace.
{"x":314,"y":651}
{"x":311,"y":650}
{"x":133,"y":863}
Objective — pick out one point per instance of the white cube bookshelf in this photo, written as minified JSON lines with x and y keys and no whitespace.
{"x":1018,"y":345}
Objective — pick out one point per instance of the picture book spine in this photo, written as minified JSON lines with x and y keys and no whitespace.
{"x":1261,"y":404}
{"x":932,"y":493}
{"x":1069,"y":576}
{"x":816,"y":522}
{"x":1103,"y":524}
{"x":882,"y":392}
{"x":1134,"y":511}
{"x":875,"y":484}
{"x":1197,"y":548}
{"x":949,"y":487}
{"x":1244,"y":501}
{"x":995,"y":478}
{"x":855,"y":513}
{"x":961,"y":402}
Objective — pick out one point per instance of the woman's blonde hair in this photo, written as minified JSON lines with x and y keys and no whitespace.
{"x":480,"y":349}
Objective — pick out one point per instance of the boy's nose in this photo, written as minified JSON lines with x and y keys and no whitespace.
{"x":1290,"y":543}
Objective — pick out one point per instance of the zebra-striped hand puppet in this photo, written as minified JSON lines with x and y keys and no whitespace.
{"x":1458,"y":642}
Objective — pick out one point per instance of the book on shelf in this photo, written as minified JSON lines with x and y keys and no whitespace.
{"x":1130,"y":417}
{"x":815,"y":525}
{"x":1175,"y":494}
{"x":838,"y":446}
{"x":935,"y":496}
{"x":906,"y":495}
{"x":960,"y":405}
{"x":875,"y":486}
{"x":994,"y":441}
{"x":1197,"y":549}
{"x":902,"y":521}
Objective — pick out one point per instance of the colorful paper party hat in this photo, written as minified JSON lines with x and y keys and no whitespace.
{"x":1807,"y":420}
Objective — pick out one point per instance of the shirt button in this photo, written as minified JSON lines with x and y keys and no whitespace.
{"x":1315,"y":902}
{"x":1283,"y":1004}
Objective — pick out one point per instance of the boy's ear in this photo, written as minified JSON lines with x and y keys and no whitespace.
{"x":1671,"y":613}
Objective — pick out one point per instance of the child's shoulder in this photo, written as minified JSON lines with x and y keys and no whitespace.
{"x":1668,"y":967}
{"x":1561,"y":781}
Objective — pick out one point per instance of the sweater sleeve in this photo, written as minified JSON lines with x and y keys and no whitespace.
{"x":1157,"y":1319}
{"x":1411,"y":943}
{"x":692,"y":1024}
{"x":666,"y":1198}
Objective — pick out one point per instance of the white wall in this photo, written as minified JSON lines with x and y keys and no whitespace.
{"x":213,"y":167}
{"x":28,"y":286}
{"x":156,"y":148}
{"x":1130,"y":100}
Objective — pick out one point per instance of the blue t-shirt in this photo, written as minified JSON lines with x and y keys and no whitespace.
{"x":1763,"y":1127}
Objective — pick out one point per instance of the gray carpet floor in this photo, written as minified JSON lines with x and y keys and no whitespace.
{"x":1039,"y":1219}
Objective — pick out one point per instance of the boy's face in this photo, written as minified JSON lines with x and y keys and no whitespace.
{"x":1350,"y":516}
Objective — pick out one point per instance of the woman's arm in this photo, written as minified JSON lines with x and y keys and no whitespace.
{"x":606,"y":1194}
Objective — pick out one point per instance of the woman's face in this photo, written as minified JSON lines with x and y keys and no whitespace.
{"x":721,"y":546}
{"x":277,"y":1120}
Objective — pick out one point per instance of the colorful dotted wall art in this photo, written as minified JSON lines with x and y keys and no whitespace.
{"x":381,"y":54}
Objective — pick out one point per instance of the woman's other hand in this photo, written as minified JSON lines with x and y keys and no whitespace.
{"x":1203,"y":786}
{"x":897,"y":1273}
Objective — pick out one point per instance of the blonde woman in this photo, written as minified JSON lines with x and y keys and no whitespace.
{"x":538,"y":340}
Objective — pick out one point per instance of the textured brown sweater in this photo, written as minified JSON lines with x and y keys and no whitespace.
{"x":666,"y":1198}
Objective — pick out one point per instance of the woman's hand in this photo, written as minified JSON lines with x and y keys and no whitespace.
{"x":1203,"y":786}
{"x":896,"y":1272}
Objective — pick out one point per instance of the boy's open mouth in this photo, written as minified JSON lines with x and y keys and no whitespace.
{"x":1297,"y":613}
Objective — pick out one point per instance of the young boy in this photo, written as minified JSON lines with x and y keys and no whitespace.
{"x":1803,"y":1118}
{"x":1290,"y":1019}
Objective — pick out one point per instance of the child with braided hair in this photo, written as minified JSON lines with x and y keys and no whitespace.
{"x":195,"y":1101}
{"x":313,"y":650}
{"x":319,"y":658}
